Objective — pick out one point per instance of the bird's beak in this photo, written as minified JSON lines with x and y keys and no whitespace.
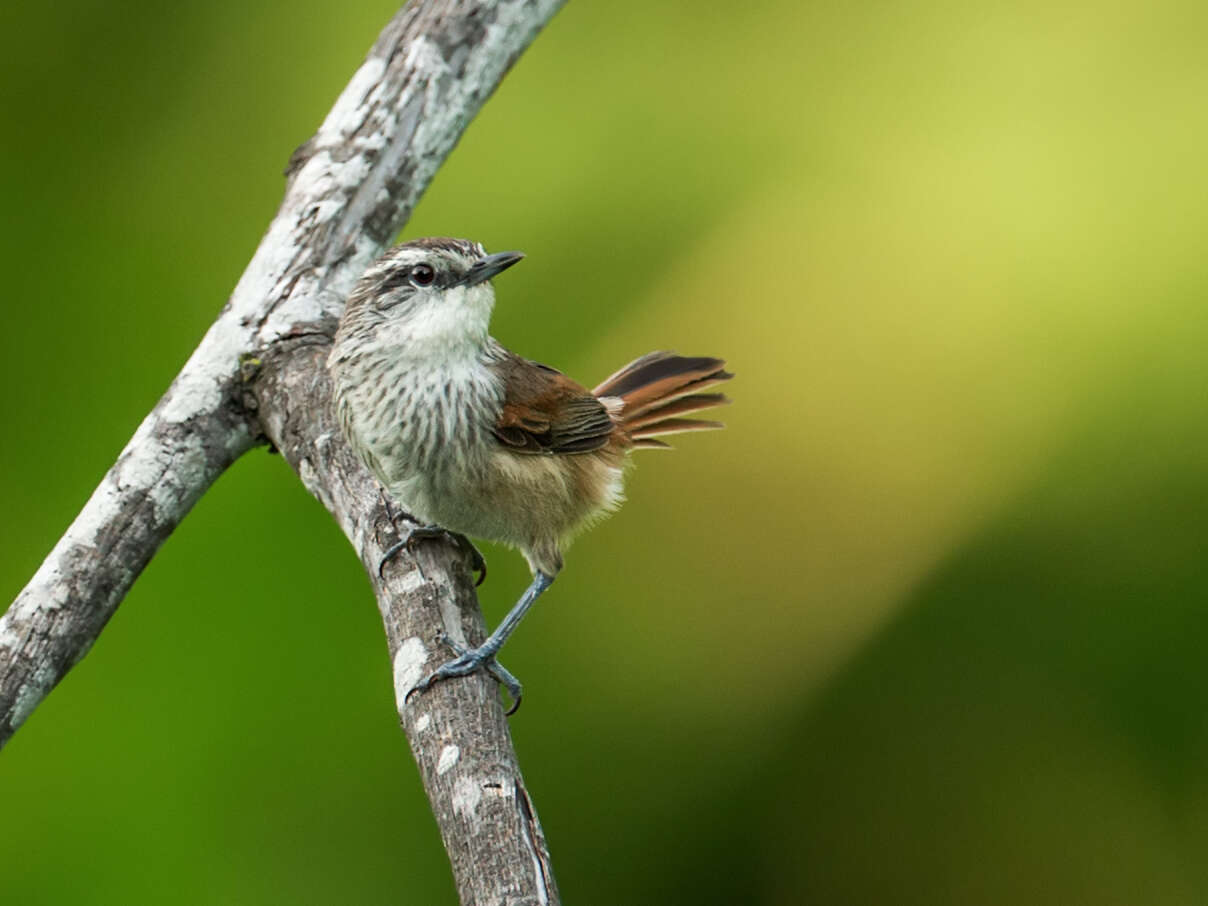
{"x":485,"y":268}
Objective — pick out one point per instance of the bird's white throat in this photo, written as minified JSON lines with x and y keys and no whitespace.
{"x":441,"y":330}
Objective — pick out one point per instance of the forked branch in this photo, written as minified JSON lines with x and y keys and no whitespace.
{"x":258,"y":376}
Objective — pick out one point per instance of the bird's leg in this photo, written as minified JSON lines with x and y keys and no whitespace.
{"x":469,"y":660}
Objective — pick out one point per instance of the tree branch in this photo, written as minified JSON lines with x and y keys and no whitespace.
{"x":457,"y":730}
{"x":258,"y":374}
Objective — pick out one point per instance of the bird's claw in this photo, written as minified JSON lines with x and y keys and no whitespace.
{"x":467,"y":661}
{"x":478,"y":563}
{"x":422,"y":532}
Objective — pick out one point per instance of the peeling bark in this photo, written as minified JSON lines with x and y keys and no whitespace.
{"x":258,"y":376}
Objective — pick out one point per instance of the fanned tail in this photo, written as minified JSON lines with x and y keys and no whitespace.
{"x":659,"y":388}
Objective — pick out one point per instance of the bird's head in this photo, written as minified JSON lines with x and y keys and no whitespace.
{"x":429,"y":296}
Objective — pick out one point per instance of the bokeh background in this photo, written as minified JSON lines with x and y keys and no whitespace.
{"x":926,"y":625}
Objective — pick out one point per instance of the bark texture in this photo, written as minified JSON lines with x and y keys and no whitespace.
{"x":258,"y":376}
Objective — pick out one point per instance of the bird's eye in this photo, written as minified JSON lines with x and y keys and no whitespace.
{"x":423,"y":275}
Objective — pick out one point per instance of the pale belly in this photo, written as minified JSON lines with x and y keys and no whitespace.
{"x":534,"y":503}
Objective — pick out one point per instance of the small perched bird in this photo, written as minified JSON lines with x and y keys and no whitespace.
{"x":473,"y":439}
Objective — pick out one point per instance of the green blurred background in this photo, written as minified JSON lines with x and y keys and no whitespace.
{"x":926,"y":625}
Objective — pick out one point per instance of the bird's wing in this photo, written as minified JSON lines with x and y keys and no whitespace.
{"x":546,"y":412}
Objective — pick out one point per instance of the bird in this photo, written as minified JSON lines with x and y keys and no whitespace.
{"x":472,"y":439}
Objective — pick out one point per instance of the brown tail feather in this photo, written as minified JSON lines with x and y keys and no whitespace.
{"x":655,"y":367}
{"x":616,"y":384}
{"x":675,"y":426}
{"x":685,"y":404}
{"x":663,"y":392}
{"x":659,"y":387}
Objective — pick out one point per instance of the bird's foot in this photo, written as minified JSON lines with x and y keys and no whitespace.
{"x":422,"y":532}
{"x":471,"y":660}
